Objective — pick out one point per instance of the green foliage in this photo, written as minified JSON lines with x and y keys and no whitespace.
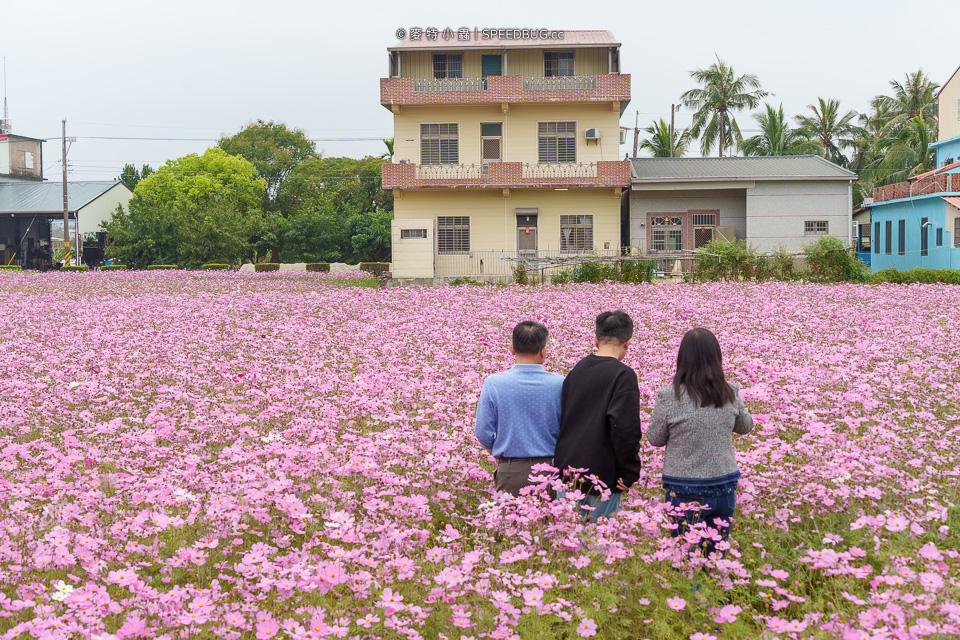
{"x":658,"y":140}
{"x":160,"y":267}
{"x":828,"y":129}
{"x":320,"y":267}
{"x":830,"y":260}
{"x":214,"y":267}
{"x":131,"y":177}
{"x":635,"y":271}
{"x":923,"y":276}
{"x":10,"y":267}
{"x":776,"y":138}
{"x":266,"y":266}
{"x":113,"y":267}
{"x":721,"y":260}
{"x":520,"y":274}
{"x":376,"y":268}
{"x":80,"y":268}
{"x":459,"y":282}
{"x":783,"y":265}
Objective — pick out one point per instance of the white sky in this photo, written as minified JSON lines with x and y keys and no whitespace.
{"x":199,"y":68}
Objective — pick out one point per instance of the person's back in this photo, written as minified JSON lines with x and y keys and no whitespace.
{"x":600,"y":426}
{"x":518,"y":414}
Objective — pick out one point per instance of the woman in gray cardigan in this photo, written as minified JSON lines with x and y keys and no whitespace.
{"x":694,"y":418}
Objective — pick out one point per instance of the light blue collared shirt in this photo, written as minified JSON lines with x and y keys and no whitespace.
{"x":518,"y":415}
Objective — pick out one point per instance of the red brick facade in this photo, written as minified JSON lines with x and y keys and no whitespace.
{"x":400,"y":91}
{"x":505,"y":175}
{"x":943,"y":183}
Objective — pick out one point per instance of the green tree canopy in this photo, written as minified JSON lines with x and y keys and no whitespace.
{"x":721,"y":93}
{"x":915,"y":97}
{"x":130,"y":176}
{"x":829,"y":129}
{"x":776,"y":138}
{"x":657,"y":141}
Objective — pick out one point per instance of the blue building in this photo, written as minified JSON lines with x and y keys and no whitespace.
{"x":917,"y":223}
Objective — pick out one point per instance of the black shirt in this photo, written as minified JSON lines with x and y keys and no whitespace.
{"x":600,"y":422}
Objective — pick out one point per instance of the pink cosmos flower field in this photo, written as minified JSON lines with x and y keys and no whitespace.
{"x":224,"y":455}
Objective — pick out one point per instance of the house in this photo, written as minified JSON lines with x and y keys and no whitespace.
{"x":506,"y":145}
{"x":862,"y":231}
{"x":916,"y":223}
{"x":21,"y":158}
{"x":680,"y":204}
{"x":31,"y":218}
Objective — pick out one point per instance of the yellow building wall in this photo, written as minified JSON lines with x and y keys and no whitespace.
{"x":519,"y":62}
{"x":413,"y":257}
{"x":493,"y":223}
{"x":949,"y":109}
{"x":519,"y":129}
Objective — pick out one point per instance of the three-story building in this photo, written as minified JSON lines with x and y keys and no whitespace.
{"x":504,"y":146}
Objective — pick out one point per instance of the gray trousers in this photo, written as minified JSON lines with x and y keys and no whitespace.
{"x":511,"y":475}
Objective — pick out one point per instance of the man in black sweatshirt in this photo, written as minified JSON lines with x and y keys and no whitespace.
{"x":600,"y":418}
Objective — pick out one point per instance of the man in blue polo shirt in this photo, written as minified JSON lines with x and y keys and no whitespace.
{"x":518,"y":415}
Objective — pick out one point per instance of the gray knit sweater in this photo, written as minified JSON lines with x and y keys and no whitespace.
{"x":698,"y":440}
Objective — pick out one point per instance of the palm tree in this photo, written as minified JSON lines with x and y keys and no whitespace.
{"x":830,"y":130}
{"x":915,"y":97}
{"x":908,"y":153}
{"x":389,"y":154}
{"x":721,"y":92}
{"x":776,"y":138}
{"x":658,"y":140}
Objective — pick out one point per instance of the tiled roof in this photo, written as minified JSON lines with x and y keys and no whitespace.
{"x":753,"y":168}
{"x":953,"y":200}
{"x":476,"y":41}
{"x":46,"y":197}
{"x":938,"y":170}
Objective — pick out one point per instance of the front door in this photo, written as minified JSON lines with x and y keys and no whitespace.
{"x":527,"y":234}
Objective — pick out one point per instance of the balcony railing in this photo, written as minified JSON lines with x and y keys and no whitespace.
{"x":451,"y":172}
{"x":449,"y":84}
{"x":560,"y":83}
{"x":564,"y":170}
{"x":943,"y":183}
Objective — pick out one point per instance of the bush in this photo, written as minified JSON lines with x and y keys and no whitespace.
{"x":113,"y":267}
{"x":831,"y":260}
{"x":888,"y":275}
{"x":155,"y":267}
{"x":596,"y":272}
{"x":722,"y":260}
{"x":520,"y":274}
{"x":783,"y":265}
{"x":320,"y":267}
{"x":214,"y":267}
{"x":10,"y":267}
{"x":376,"y":268}
{"x":82,"y":267}
{"x":266,"y":266}
{"x":922,"y":276}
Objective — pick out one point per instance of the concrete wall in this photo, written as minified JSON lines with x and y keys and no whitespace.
{"x":912,"y":211}
{"x":519,"y":62}
{"x":519,"y":129}
{"x":21,"y":158}
{"x":776,"y":212}
{"x":493,"y":222}
{"x":731,"y":203}
{"x":949,"y":109}
{"x":103,"y":207}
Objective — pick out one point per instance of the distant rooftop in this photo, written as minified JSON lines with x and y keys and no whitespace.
{"x":490,"y":39}
{"x":752,"y":168}
{"x":47,"y":197}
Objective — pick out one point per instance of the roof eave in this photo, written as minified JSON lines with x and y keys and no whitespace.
{"x":546,"y":44}
{"x":851,"y":178}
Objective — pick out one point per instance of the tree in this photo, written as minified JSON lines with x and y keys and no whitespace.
{"x":915,"y":97}
{"x":192,"y":210}
{"x":721,"y":93}
{"x":776,"y":138}
{"x":131,"y":177}
{"x":830,"y":130}
{"x":908,"y":153}
{"x":658,"y":140}
{"x":274,"y":150}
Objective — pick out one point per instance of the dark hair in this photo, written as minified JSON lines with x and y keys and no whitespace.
{"x":529,"y":338}
{"x":700,"y":370}
{"x":614,"y":325}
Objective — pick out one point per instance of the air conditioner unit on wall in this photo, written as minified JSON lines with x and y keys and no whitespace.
{"x":591,"y":134}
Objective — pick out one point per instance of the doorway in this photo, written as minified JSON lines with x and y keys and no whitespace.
{"x":527,"y":232}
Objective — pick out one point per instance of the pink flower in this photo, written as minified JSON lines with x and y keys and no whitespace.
{"x":587,"y":628}
{"x":702,"y":636}
{"x":896,"y":524}
{"x":677,"y":604}
{"x":267,"y":629}
{"x":532,"y":597}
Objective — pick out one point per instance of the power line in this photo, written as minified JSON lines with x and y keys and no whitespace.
{"x":152,"y":139}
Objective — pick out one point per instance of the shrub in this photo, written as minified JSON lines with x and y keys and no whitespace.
{"x":376,"y":268}
{"x":520,"y":274}
{"x":155,"y":267}
{"x":214,"y":267}
{"x":81,"y":267}
{"x":922,"y":276}
{"x":322,"y":267}
{"x":266,"y":266}
{"x":722,"y":260}
{"x":596,"y":272}
{"x":10,"y":267}
{"x":783,"y":265}
{"x":113,"y":267}
{"x":831,"y":260}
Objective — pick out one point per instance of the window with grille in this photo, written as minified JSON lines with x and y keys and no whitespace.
{"x":453,"y":234}
{"x":888,"y":247}
{"x":815,"y":227}
{"x":876,"y":238}
{"x":491,"y":139}
{"x":576,"y":232}
{"x":413,"y":234}
{"x":924,"y":237}
{"x":902,"y":237}
{"x":557,"y":142}
{"x":439,"y":144}
{"x":557,"y":63}
{"x":704,"y":219}
{"x":447,"y":65}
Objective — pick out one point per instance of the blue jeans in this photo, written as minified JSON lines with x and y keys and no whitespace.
{"x":721,"y":507}
{"x":600,"y":509}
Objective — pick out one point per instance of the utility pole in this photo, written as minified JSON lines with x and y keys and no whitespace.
{"x":66,"y":206}
{"x":636,"y":134}
{"x":673,"y":109}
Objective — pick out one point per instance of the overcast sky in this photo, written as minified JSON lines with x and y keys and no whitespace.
{"x":199,"y":68}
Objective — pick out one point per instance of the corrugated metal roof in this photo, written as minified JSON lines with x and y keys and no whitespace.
{"x":476,"y":41}
{"x":753,"y":168}
{"x":952,"y":200}
{"x":28,"y":197}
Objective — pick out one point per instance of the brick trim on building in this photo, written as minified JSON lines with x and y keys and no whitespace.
{"x":505,"y":175}
{"x":400,"y":91}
